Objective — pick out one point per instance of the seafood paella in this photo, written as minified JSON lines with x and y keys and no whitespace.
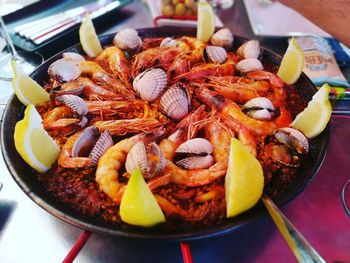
{"x":168,"y":106}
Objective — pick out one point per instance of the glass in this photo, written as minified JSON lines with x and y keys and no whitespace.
{"x":28,"y":61}
{"x":345,"y":197}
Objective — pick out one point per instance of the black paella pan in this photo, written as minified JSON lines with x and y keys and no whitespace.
{"x":25,"y":177}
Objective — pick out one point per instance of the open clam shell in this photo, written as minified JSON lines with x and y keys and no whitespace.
{"x":90,"y":144}
{"x":64,"y":70}
{"x":103,"y":143}
{"x":222,"y":38}
{"x":150,"y":84}
{"x":215,"y":54}
{"x":175,"y":102}
{"x":85,"y":142}
{"x":149,"y":158}
{"x":194,"y":154}
{"x":128,"y":40}
{"x":73,"y":57}
{"x":249,"y":64}
{"x":75,"y":103}
{"x":250,"y":49}
{"x":168,"y":42}
{"x":288,"y":147}
{"x":259,"y":108}
{"x":293,"y":138}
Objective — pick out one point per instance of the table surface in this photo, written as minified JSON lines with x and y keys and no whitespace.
{"x":30,"y":234}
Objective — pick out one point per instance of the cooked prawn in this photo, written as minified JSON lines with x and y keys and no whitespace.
{"x":191,"y":54}
{"x":100,"y":76}
{"x":232,"y":111}
{"x":220,"y":137}
{"x":195,"y":177}
{"x":118,"y":63}
{"x":113,"y":159}
{"x":61,"y":118}
{"x":89,"y":89}
{"x":122,"y":127}
{"x":201,"y":72}
{"x":154,"y":57}
{"x":238,"y":89}
{"x":265,"y":75}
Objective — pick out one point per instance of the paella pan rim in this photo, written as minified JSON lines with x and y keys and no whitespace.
{"x":19,"y":170}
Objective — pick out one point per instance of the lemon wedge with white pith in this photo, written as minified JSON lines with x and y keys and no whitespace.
{"x":314,"y":118}
{"x":89,"y":39}
{"x":205,"y":21}
{"x":33,"y":143}
{"x":27,"y":90}
{"x":292,"y":63}
{"x":244,"y":181}
{"x":139,"y":206}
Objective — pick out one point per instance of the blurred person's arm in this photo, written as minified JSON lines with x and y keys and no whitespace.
{"x":332,"y":16}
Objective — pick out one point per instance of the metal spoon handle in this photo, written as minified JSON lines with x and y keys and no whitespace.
{"x":300,"y":247}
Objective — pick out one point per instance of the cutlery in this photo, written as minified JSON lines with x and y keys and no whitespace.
{"x":45,"y":28}
{"x":300,"y":247}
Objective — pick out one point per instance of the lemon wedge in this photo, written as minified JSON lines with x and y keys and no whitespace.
{"x":89,"y":39}
{"x":244,"y":181}
{"x":139,"y":206}
{"x":205,"y":21}
{"x":292,"y":63}
{"x":33,"y":143}
{"x":27,"y":90}
{"x":314,"y":118}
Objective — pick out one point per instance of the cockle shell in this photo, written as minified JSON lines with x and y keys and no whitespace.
{"x":85,"y":142}
{"x":196,"y":162}
{"x":194,"y":154}
{"x":168,"y":42}
{"x":75,"y":103}
{"x":64,"y":70}
{"x":74,"y":91}
{"x":74,"y":87}
{"x":175,"y":102}
{"x":90,"y":144}
{"x":73,"y":57}
{"x":83,"y":121}
{"x":249,"y":64}
{"x":103,"y":143}
{"x":150,"y":84}
{"x":128,"y":40}
{"x":222,"y":38}
{"x":259,"y":108}
{"x":149,"y":158}
{"x":215,"y":54}
{"x":250,"y":49}
{"x":293,"y":138}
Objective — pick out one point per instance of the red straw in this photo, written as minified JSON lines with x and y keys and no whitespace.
{"x":186,"y":252}
{"x":79,"y":244}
